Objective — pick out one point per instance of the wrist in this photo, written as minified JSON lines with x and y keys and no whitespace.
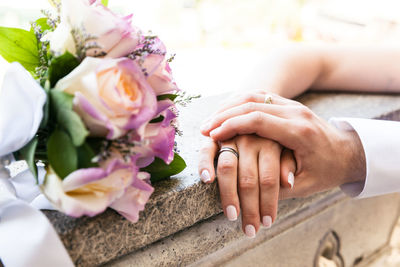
{"x":354,"y":158}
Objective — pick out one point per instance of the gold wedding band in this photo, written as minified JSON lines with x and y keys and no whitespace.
{"x":228,"y":149}
{"x":268,"y":99}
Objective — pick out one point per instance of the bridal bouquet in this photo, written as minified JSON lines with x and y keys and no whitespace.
{"x":99,"y":99}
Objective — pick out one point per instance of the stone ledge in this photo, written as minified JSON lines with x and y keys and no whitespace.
{"x":292,"y":241}
{"x":182,"y":201}
{"x":215,"y":234}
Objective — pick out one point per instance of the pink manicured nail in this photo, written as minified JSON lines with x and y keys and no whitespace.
{"x":250,"y":231}
{"x":215,"y":132}
{"x":205,"y":176}
{"x":231,"y":213}
{"x":267,"y":221}
{"x":205,"y":127}
{"x":291,"y":179}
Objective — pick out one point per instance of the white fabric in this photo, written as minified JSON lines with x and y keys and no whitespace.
{"x":381,"y":143}
{"x":27,"y":238}
{"x":21,"y":106}
{"x":27,"y":189}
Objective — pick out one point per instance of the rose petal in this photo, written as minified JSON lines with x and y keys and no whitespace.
{"x":134,"y":200}
{"x":88,"y":191}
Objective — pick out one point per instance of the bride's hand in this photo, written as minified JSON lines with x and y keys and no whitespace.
{"x":251,"y":181}
{"x":326,"y":157}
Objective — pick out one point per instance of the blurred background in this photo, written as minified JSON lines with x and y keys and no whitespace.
{"x":218,"y":43}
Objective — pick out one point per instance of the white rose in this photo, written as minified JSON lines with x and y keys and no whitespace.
{"x":21,"y":109}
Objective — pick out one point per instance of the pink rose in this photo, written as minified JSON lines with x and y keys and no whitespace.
{"x":114,"y":184}
{"x":159,"y":74}
{"x":134,"y":198}
{"x":114,"y":34}
{"x":159,"y":138}
{"x":162,"y":80}
{"x":112,"y":96}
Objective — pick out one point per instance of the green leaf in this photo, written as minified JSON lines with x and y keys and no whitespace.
{"x":95,"y":143}
{"x":167,"y":96}
{"x":67,"y":118}
{"x":61,"y":66}
{"x":73,"y":124}
{"x":62,"y":154}
{"x":46,"y":107}
{"x":104,"y":2}
{"x":19,"y":45}
{"x":42,"y":22}
{"x":159,"y":170}
{"x":158,"y":119}
{"x":85,"y":156}
{"x":28,"y":154}
{"x":61,"y":100}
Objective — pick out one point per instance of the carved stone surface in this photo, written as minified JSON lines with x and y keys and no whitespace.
{"x":183,"y":201}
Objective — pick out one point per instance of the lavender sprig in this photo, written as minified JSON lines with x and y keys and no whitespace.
{"x":84,"y":42}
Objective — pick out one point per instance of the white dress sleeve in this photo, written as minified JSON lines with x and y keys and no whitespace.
{"x":381,"y":143}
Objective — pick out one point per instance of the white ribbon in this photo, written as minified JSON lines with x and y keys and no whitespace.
{"x":27,"y":238}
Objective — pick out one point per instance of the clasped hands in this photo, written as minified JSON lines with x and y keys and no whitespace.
{"x":284,"y":151}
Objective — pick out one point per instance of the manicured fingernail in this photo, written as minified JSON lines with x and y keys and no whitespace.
{"x":205,"y":176}
{"x":267,"y":221}
{"x":231,"y":213}
{"x":214,"y":132}
{"x":291,"y":179}
{"x":250,"y":231}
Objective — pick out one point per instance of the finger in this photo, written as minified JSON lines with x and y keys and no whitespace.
{"x":277,"y":99}
{"x":302,"y":188}
{"x":255,"y":98}
{"x":233,"y":101}
{"x":248,"y":188}
{"x":206,"y":161}
{"x":246,"y":108}
{"x":269,"y":170}
{"x":262,"y":124}
{"x":288,"y":168}
{"x":250,"y":97}
{"x":227,"y":181}
{"x":239,"y":100}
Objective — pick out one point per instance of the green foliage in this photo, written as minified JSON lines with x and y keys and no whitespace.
{"x":46,"y":107}
{"x":61,"y":100}
{"x":28,"y":154}
{"x":85,"y":156}
{"x":62,"y":154}
{"x":158,"y":119}
{"x":73,"y":124}
{"x":42,"y":22}
{"x":159,"y":170}
{"x":167,"y":96}
{"x":67,"y":119}
{"x":20,"y":46}
{"x":104,"y":2}
{"x":61,"y":66}
{"x":184,"y":99}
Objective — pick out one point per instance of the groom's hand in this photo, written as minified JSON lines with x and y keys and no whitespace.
{"x":326,"y":157}
{"x":249,"y":181}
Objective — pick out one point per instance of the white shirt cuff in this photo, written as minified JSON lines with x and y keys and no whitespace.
{"x":381,"y":143}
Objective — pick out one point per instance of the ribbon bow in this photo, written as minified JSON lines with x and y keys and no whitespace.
{"x":27,"y":236}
